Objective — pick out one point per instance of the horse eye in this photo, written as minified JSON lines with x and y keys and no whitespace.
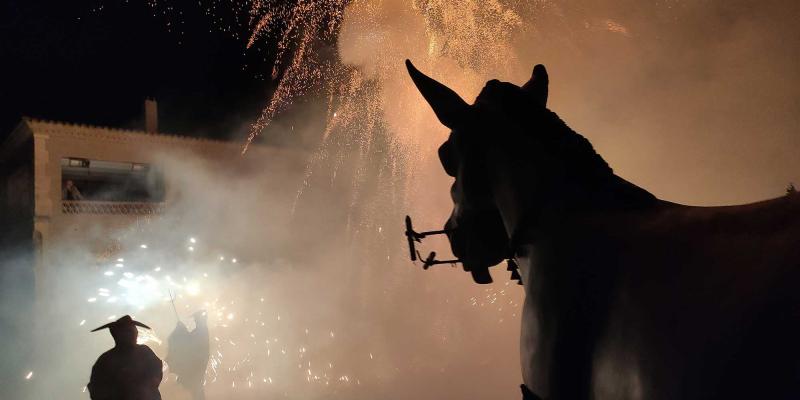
{"x":448,"y":158}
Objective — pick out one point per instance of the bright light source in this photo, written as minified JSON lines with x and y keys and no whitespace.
{"x":144,"y":246}
{"x":192,"y":288}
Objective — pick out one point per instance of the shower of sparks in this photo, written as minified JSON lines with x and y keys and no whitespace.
{"x":248,"y":339}
{"x":475,"y":35}
{"x":300,"y":26}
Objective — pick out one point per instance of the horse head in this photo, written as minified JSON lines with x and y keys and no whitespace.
{"x":477,"y":233}
{"x":515,"y":163}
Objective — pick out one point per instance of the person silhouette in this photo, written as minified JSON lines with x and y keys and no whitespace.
{"x":129,"y":371}
{"x":189,"y":354}
{"x":70,"y":191}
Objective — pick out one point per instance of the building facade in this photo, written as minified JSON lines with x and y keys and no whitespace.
{"x":63,"y":179}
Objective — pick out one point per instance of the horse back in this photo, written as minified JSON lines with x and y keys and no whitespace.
{"x":704,"y":301}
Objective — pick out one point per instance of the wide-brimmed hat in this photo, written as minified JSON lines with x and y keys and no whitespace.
{"x":125,"y":320}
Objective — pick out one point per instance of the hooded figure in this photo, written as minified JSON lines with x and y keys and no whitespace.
{"x":129,"y":371}
{"x":189,"y":353}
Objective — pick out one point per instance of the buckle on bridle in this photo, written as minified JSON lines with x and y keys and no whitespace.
{"x":416,"y":237}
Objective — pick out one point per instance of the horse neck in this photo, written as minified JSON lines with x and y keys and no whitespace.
{"x":526,"y":202}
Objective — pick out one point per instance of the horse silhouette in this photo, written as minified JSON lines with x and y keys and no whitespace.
{"x":626,"y":296}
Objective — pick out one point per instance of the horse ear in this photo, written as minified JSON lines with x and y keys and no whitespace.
{"x":537,"y":85}
{"x":447,"y":105}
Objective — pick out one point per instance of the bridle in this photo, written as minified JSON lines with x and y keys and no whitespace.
{"x":413,"y":237}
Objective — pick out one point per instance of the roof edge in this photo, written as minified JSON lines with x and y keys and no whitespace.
{"x":112,"y":130}
{"x":18,"y":135}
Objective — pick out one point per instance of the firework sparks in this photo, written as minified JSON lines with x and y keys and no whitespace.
{"x":242,"y":341}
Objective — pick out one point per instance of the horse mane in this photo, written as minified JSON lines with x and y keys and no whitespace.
{"x":572,"y":149}
{"x":546,"y":129}
{"x":577,"y":165}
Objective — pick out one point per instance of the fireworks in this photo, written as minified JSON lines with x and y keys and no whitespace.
{"x":372,"y":108}
{"x":364,"y":84}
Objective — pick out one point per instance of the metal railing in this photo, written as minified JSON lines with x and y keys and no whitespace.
{"x":110,"y":207}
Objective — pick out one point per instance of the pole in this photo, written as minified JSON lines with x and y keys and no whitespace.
{"x":172,"y":300}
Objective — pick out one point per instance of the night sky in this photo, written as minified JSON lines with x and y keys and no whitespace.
{"x":95,"y":62}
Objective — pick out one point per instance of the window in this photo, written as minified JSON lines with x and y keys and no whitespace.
{"x":111,"y":181}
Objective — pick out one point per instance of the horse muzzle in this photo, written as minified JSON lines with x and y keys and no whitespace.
{"x":479,"y":239}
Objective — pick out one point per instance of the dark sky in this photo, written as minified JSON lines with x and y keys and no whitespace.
{"x":96,"y":61}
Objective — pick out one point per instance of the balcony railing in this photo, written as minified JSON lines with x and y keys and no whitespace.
{"x":110,"y":207}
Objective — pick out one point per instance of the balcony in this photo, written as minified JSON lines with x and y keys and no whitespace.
{"x":111,"y":207}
